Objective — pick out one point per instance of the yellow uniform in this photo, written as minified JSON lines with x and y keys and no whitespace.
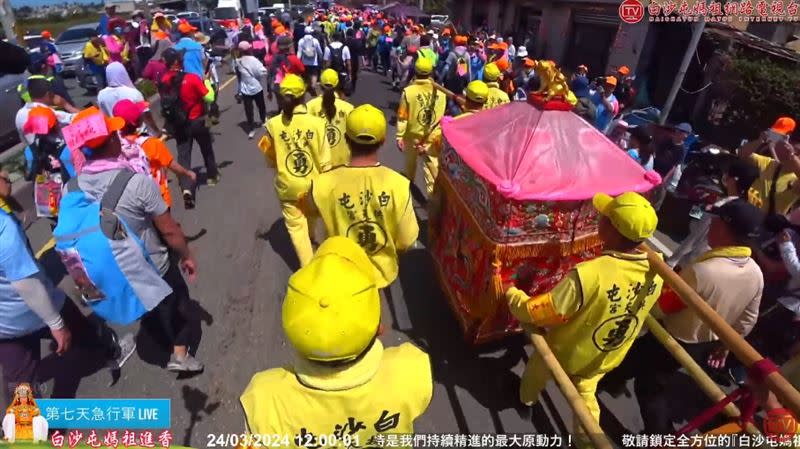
{"x":759,"y":193}
{"x":371,"y":206}
{"x":98,"y":56}
{"x":383,"y":393}
{"x":497,"y":96}
{"x":335,"y":129}
{"x":421,"y":109}
{"x":595,"y":314}
{"x":299,"y":152}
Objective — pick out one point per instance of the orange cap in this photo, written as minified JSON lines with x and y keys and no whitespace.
{"x":784,"y":125}
{"x":186,"y":28}
{"x":113,"y":124}
{"x":37,"y":116}
{"x":387,"y":28}
{"x":446,"y":32}
{"x":612,"y":80}
{"x":46,"y":34}
{"x":502,"y":64}
{"x":528,"y":62}
{"x":461,"y":40}
{"x":280,"y":29}
{"x":624,"y":70}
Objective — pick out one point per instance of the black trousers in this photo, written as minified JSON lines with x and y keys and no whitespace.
{"x":195,"y":131}
{"x":172,"y":314}
{"x":653,"y":369}
{"x":20,"y":356}
{"x":258,"y":99}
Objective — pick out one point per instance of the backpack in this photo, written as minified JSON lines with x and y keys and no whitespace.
{"x":459,"y":73}
{"x":175,"y":116}
{"x":337,"y":60}
{"x":309,"y":49}
{"x":107,"y":261}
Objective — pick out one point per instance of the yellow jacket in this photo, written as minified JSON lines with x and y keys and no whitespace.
{"x":98,"y":56}
{"x":334,"y":129}
{"x":595,"y":312}
{"x":382,"y":393}
{"x":496,"y":96}
{"x":372,"y":206}
{"x":419,"y":114}
{"x":297,"y":150}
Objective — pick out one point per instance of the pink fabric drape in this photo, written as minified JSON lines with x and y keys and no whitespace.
{"x":534,"y":155}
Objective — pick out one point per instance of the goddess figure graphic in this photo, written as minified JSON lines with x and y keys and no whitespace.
{"x":23,"y":420}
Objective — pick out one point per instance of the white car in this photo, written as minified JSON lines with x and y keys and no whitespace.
{"x":440,"y":21}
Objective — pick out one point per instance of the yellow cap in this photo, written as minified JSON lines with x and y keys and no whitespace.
{"x":329,"y":78}
{"x":478,"y":91}
{"x":332,"y":309}
{"x":366,"y":124}
{"x":293,"y":86}
{"x":424,"y":66}
{"x":630,"y":214}
{"x":491,"y":72}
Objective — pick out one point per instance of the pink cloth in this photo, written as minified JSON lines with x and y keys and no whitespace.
{"x":114,"y":47}
{"x":535,"y":155}
{"x":100,"y":165}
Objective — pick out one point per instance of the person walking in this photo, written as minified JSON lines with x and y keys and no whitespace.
{"x":187,"y":95}
{"x":477,"y":94}
{"x":369,"y":197}
{"x":343,"y":379}
{"x":595,"y":313}
{"x":337,"y":57}
{"x":120,"y":87}
{"x":356,"y":47}
{"x":251,"y":72}
{"x":418,"y":124}
{"x":330,"y":107}
{"x":296,"y":147}
{"x":311,"y":54}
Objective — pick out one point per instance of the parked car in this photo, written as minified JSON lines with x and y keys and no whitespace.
{"x":205,"y":25}
{"x":188,"y":15}
{"x":9,"y":104}
{"x":32,"y":43}
{"x":440,"y":21}
{"x":70,"y":45}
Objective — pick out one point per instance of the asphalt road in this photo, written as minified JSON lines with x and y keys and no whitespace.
{"x":245,"y":259}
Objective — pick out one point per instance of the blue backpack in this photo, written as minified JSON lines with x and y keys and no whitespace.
{"x":108,"y":262}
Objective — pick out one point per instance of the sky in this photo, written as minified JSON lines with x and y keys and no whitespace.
{"x":34,"y":3}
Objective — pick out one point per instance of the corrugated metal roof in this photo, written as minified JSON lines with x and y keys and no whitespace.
{"x":751,"y":41}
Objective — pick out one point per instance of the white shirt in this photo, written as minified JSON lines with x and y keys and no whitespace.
{"x":109,"y":96}
{"x":337,"y":45}
{"x":64,"y":118}
{"x":317,"y":50}
{"x":251,"y":71}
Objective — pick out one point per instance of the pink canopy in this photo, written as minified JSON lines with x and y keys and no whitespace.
{"x":531,"y":154}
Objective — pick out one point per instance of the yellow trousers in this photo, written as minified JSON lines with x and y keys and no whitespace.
{"x":300,"y":229}
{"x":534,"y":380}
{"x":430,"y":163}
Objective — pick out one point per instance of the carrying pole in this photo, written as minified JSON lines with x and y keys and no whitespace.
{"x":703,"y":380}
{"x":590,"y":425}
{"x":785,"y":392}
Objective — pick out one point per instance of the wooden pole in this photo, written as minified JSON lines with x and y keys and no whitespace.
{"x":709,"y":387}
{"x":785,"y":392}
{"x":590,"y":426}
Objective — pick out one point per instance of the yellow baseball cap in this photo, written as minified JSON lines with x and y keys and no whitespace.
{"x":424,"y":66}
{"x":293,"y":86}
{"x":332,"y":308}
{"x":478,"y":91}
{"x":366,"y":124}
{"x":630,"y":214}
{"x":329,"y":78}
{"x":491,"y":72}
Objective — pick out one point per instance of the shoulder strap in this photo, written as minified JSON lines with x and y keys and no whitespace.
{"x":116,"y":189}
{"x":773,"y":188}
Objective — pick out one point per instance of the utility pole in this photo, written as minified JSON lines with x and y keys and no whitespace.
{"x":697,"y":33}
{"x":7,"y":20}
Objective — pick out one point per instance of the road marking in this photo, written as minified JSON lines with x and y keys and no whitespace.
{"x":47,"y":247}
{"x":225,"y":84}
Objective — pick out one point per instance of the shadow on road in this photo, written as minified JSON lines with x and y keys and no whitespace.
{"x":154,"y":347}
{"x":196,"y":402}
{"x":485,"y":372}
{"x":281,"y":243}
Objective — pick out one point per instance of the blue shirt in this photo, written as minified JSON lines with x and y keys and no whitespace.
{"x":17,"y":263}
{"x":192,"y":56}
{"x":603,"y":116}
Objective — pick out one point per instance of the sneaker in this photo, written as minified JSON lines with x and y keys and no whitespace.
{"x":188,"y":200}
{"x":125,"y":349}
{"x":212,"y":181}
{"x":187,"y":364}
{"x":251,"y":134}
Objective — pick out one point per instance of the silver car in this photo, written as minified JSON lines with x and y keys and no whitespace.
{"x":70,"y":46}
{"x":9,"y":105}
